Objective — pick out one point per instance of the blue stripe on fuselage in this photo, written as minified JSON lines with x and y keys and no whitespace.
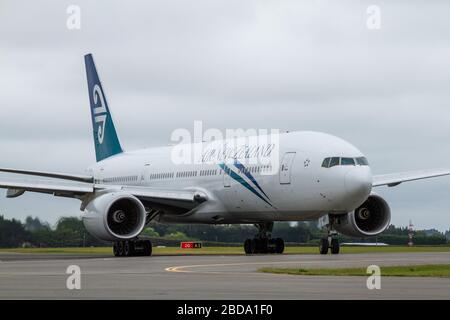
{"x":239,"y":179}
{"x":247,"y":173}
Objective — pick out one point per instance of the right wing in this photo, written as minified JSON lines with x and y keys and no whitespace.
{"x":394,"y":179}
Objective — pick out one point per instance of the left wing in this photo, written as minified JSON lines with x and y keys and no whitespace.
{"x":55,"y":175}
{"x":18,"y":187}
{"x":394,"y":179}
{"x":154,"y":197}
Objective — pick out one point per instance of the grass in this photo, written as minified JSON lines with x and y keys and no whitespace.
{"x":229,"y":250}
{"x":440,"y":271}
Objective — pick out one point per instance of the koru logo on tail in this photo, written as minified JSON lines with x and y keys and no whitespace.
{"x":100,"y":114}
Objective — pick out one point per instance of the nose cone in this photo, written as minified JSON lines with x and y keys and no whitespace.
{"x":358,"y":184}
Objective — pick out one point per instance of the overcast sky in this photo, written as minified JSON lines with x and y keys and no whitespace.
{"x":292,"y":65}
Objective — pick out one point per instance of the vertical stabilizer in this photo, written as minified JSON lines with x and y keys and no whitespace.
{"x":106,"y":140}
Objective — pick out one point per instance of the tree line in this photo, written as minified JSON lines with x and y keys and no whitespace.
{"x":70,"y":232}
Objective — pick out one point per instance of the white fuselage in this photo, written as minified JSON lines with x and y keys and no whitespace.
{"x":283,"y":180}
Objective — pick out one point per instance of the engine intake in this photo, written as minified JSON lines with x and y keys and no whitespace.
{"x":115,"y":216}
{"x":370,"y":219}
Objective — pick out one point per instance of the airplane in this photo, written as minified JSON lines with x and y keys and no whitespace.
{"x":306,"y":176}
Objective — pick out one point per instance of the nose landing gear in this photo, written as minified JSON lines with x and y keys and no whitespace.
{"x":263,"y":243}
{"x":330,"y":243}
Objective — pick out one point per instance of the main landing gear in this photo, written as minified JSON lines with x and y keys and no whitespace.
{"x":263,"y":243}
{"x":330,"y":243}
{"x":132,"y":248}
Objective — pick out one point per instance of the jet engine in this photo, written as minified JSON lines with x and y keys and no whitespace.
{"x":114,"y":216}
{"x":370,"y":219}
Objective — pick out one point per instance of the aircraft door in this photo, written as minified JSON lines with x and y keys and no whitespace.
{"x":286,"y":167}
{"x":226,"y":178}
{"x":145,"y":175}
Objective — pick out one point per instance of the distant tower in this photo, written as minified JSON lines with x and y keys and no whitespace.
{"x":410,"y":234}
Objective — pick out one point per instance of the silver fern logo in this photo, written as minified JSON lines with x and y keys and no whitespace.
{"x":99,"y":113}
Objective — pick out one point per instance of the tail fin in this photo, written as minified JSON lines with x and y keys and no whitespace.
{"x":105,"y":136}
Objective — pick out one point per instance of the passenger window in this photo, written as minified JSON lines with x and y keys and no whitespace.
{"x":326,"y":163}
{"x":347,"y":161}
{"x":335,"y":161}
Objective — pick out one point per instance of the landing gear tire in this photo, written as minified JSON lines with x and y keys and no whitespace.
{"x":335,"y":248}
{"x":126,"y":249}
{"x":323,"y":246}
{"x":254,"y":246}
{"x":279,"y":245}
{"x":147,"y":248}
{"x":120,"y":249}
{"x":132,"y":248}
{"x":264,"y":246}
{"x":116,"y":249}
{"x":248,"y":246}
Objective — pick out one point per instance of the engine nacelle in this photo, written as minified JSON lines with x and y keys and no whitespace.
{"x":114,"y":216}
{"x":370,"y":219}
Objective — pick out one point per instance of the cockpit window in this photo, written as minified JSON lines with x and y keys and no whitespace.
{"x":362,"y":161}
{"x":335,"y":161}
{"x":326,"y":163}
{"x":347,"y":161}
